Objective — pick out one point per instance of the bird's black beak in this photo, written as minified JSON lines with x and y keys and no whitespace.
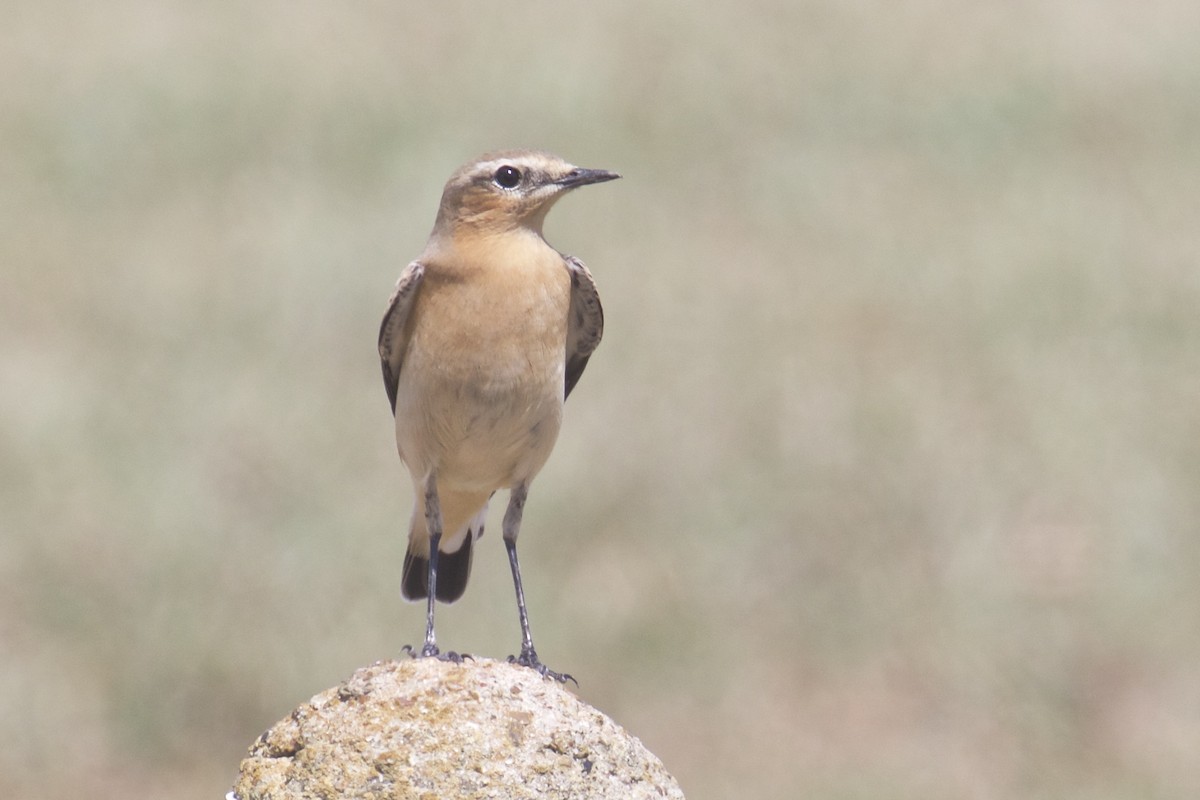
{"x":582,"y":177}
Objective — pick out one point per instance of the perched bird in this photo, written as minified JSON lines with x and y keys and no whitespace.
{"x":485,"y":336}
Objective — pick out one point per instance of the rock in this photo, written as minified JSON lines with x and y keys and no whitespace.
{"x":432,"y":729}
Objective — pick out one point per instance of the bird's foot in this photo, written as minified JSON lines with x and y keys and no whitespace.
{"x":432,"y":651}
{"x":528,"y":658}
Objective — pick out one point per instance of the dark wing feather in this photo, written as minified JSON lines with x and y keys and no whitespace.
{"x":393,"y":339}
{"x":585,"y":324}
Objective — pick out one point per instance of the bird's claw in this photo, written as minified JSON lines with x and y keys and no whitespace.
{"x":432,"y":651}
{"x":528,"y":658}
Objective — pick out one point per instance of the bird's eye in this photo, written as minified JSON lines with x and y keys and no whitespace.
{"x":507,"y":177}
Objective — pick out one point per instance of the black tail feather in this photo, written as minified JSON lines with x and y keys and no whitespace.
{"x":453,"y":571}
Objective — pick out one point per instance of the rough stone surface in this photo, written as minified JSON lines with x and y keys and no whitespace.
{"x":431,"y":729}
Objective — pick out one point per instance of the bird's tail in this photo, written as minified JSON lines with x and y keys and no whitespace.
{"x":454,"y":568}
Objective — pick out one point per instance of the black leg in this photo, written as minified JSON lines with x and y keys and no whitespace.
{"x":433,"y":523}
{"x":512,"y":526}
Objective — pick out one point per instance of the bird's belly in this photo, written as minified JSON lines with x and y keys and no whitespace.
{"x":482,"y":432}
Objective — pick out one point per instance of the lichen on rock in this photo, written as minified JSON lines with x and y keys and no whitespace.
{"x":429,"y":729}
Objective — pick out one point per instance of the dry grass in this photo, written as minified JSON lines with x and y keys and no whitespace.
{"x":885,"y":482}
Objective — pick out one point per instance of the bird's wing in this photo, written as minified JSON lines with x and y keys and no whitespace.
{"x":585,"y":324}
{"x":393,"y":336}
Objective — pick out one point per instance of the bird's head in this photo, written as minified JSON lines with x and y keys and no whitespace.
{"x":508,"y":190}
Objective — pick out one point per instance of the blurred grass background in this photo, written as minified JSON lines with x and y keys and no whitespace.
{"x":884,"y":483}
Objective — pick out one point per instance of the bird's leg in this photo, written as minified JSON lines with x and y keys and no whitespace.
{"x":433,"y":523}
{"x":512,"y":526}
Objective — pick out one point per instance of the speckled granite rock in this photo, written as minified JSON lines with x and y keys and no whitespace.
{"x":430,"y":729}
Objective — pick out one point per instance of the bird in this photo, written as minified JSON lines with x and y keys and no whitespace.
{"x":485,"y":336}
